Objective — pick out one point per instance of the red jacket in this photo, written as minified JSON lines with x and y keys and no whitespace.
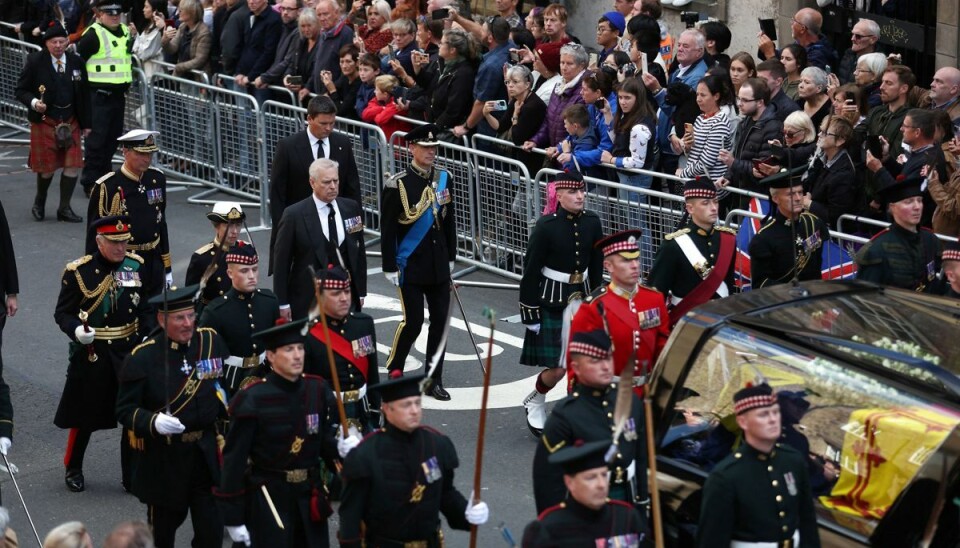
{"x":383,"y":116}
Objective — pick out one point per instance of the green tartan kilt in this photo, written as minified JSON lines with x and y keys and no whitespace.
{"x":543,"y":349}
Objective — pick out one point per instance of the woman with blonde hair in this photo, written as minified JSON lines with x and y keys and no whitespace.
{"x":72,"y":534}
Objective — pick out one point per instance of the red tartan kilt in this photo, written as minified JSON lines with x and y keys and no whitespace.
{"x":45,"y":157}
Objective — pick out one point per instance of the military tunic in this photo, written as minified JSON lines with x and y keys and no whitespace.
{"x":561,"y":264}
{"x":357,"y":371}
{"x":218,"y":283}
{"x":674,"y":276}
{"x":753,"y":496}
{"x":115,"y":298}
{"x":145,"y":201}
{"x":573,"y":525}
{"x":587,"y":414}
{"x":900,"y":258}
{"x":173,"y":473}
{"x":397,"y":484}
{"x":236,"y":317}
{"x":279,"y":432}
{"x":781,"y":246}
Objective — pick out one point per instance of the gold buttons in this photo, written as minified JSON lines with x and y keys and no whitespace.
{"x":784,"y":528}
{"x":769,"y":468}
{"x":783,"y":514}
{"x":774,"y":483}
{"x":779,"y":498}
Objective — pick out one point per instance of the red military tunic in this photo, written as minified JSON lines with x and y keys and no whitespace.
{"x":637,"y":321}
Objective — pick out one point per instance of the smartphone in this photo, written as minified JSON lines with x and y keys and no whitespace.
{"x":400,"y":92}
{"x":514,"y":57}
{"x":769,"y":160}
{"x":295,"y":80}
{"x":393,"y":53}
{"x":827,"y":69}
{"x":768,"y":27}
{"x":875,"y":146}
{"x":169,"y":23}
{"x":440,"y":14}
{"x":500,"y":105}
{"x":629,"y":69}
{"x":643,"y":63}
{"x":592,"y":60}
{"x":600,"y":103}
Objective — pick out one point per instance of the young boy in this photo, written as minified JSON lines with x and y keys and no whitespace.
{"x":578,"y":151}
{"x":369,"y":70}
{"x":382,"y":108}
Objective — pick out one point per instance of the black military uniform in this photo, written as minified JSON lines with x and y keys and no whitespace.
{"x":898,"y":256}
{"x":397,"y":483}
{"x":175,"y":473}
{"x":587,"y":415}
{"x":354,"y":354}
{"x":236,"y":316}
{"x":573,"y":524}
{"x":419,"y":250}
{"x":144,"y":200}
{"x":753,"y":496}
{"x":9,"y":288}
{"x":223,"y":213}
{"x":279,"y":432}
{"x":112,"y":297}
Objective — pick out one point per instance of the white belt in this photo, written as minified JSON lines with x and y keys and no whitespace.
{"x":674,"y":300}
{"x":237,"y":361}
{"x":742,"y":544}
{"x":561,"y":277}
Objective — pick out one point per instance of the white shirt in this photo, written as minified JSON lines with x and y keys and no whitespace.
{"x":313,"y":145}
{"x":323,"y":210}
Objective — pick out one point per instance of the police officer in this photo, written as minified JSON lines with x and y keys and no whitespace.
{"x":790,"y":244}
{"x":137,"y":190}
{"x":419,"y":244}
{"x":587,"y":414}
{"x":102,"y":308}
{"x":904,"y":255}
{"x":280,"y":429}
{"x":695,"y":264}
{"x":951,"y":269}
{"x":106,"y":47}
{"x":562,"y":265}
{"x":634,"y":316}
{"x":169,"y":400}
{"x":400,"y":478}
{"x":761,"y":492}
{"x":227,"y":219}
{"x":353,"y":340}
{"x":243,"y":311}
{"x":587,"y":517}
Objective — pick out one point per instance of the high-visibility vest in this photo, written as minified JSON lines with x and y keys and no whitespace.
{"x":112,"y":63}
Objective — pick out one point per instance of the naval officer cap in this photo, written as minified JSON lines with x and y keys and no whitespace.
{"x":139,"y":140}
{"x":425,"y":136}
{"x":226,"y":212}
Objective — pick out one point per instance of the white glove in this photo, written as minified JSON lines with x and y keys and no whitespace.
{"x":5,"y":444}
{"x":533,"y":327}
{"x":393,"y":277}
{"x":169,"y":279}
{"x":453,"y":265}
{"x":83,"y":336}
{"x":344,"y":446}
{"x":239,"y":533}
{"x":168,"y":424}
{"x":476,"y":514}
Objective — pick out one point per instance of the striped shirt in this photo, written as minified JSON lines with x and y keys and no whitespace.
{"x":710,"y":135}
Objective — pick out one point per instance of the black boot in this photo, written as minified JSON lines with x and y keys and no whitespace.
{"x":64,"y":213}
{"x":40,"y":201}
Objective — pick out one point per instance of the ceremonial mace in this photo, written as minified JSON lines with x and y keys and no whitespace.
{"x":91,"y":352}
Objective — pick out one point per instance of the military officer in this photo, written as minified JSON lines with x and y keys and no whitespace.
{"x":791,"y":242}
{"x":634,"y":316}
{"x":587,"y":414}
{"x":951,"y":269}
{"x":280,"y":429}
{"x":169,"y":400}
{"x":354,"y":342}
{"x":400,"y":478}
{"x":419,"y":244}
{"x":551,"y":280}
{"x":761,"y":492}
{"x":227,"y":219}
{"x":243,"y":311}
{"x":695,"y":264}
{"x":137,"y":190}
{"x":587,"y":517}
{"x":905,"y":255}
{"x":103,"y":309}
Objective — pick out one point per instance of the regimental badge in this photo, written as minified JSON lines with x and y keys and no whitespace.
{"x":210,"y":368}
{"x":630,"y":430}
{"x":791,"y":483}
{"x":185,"y":368}
{"x":154,"y":196}
{"x":127,"y":277}
{"x":416,"y":495}
{"x":135,"y":299}
{"x":811,"y":244}
{"x":313,"y":423}
{"x":353,"y":224}
{"x":431,"y":470}
{"x":443,"y":196}
{"x":363,"y":346}
{"x":296,"y":446}
{"x":931,"y":272}
{"x":649,"y":318}
{"x":631,"y":540}
{"x":76,"y":77}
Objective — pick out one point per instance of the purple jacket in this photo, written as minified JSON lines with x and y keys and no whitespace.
{"x":551,"y":131}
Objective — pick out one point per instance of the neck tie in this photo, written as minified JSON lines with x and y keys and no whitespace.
{"x":320,"y":149}
{"x":332,"y":238}
{"x":59,"y":66}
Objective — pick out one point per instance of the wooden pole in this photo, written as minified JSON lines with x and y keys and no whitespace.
{"x":333,"y":365}
{"x":652,"y":460}
{"x":483,"y":423}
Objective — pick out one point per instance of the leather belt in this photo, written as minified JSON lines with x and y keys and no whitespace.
{"x":297,"y":475}
{"x":791,"y":542}
{"x":351,"y":396}
{"x":114,"y":333}
{"x":144,"y":247}
{"x":245,"y":362}
{"x":187,"y":437}
{"x":563,"y":277}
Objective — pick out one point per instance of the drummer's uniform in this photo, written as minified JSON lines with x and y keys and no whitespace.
{"x":783,"y":247}
{"x":176,"y":473}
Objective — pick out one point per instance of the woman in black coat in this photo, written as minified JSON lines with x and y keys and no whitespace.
{"x":830,"y":183}
{"x":522,"y":117}
{"x":452,"y":86}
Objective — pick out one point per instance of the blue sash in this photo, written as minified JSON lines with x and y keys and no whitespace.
{"x":419,"y":229}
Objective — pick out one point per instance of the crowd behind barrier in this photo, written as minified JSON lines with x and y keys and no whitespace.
{"x":224,"y":141}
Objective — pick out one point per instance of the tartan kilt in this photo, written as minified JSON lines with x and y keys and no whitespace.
{"x":45,"y":157}
{"x":543,"y":349}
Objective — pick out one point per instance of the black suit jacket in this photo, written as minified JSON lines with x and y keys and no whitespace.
{"x":38,"y":70}
{"x":300,"y":243}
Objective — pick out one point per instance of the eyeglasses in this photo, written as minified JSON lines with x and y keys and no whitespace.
{"x":827,"y":134}
{"x":859,"y":70}
{"x":283,"y":8}
{"x":798,"y":23}
{"x":791,"y":134}
{"x":861,"y":36}
{"x":603,"y":29}
{"x":742,"y":100}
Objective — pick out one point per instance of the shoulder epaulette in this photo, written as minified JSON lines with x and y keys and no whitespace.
{"x":394,"y":180}
{"x":160,"y":171}
{"x":208,"y":329}
{"x":105,"y":177}
{"x":134,"y":256}
{"x":144,"y":344}
{"x":727,"y":229}
{"x":551,"y":509}
{"x":649,"y":289}
{"x":360,"y":315}
{"x":266,"y":293}
{"x":769,"y":223}
{"x":680,"y":232}
{"x":73,"y":265}
{"x":251,"y":381}
{"x":202,"y":250}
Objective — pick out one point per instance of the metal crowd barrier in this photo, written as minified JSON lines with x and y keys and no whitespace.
{"x":220,"y":79}
{"x":13,"y":55}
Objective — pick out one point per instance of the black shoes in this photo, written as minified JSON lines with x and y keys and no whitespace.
{"x":438,"y":393}
{"x":37,"y":211}
{"x":66,"y":215}
{"x":74,"y":480}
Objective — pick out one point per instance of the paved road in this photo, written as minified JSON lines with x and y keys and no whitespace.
{"x":35,"y":364}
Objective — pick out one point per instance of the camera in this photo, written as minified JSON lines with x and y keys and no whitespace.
{"x":690,"y":18}
{"x":629,"y":70}
{"x":500,"y":105}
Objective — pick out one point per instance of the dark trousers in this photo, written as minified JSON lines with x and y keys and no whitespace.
{"x":107,"y":112}
{"x":77,"y":442}
{"x":411,"y":299}
{"x":204,"y":514}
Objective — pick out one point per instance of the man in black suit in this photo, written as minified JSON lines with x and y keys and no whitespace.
{"x":9,"y":288}
{"x":289,"y":178}
{"x":304,"y":238}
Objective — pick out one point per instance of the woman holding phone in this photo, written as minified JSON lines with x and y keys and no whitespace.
{"x":301,"y":65}
{"x":712,"y":131}
{"x":146,"y":44}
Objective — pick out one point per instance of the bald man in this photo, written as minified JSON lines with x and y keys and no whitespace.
{"x":945,"y":92}
{"x":863,"y":40}
{"x":805,"y":29}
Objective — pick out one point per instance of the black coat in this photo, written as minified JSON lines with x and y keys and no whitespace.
{"x":752,"y":142}
{"x":38,"y":71}
{"x":9,"y":282}
{"x":834,"y":189}
{"x":572,"y":524}
{"x":778,"y":249}
{"x":452,"y":96}
{"x":301,"y":244}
